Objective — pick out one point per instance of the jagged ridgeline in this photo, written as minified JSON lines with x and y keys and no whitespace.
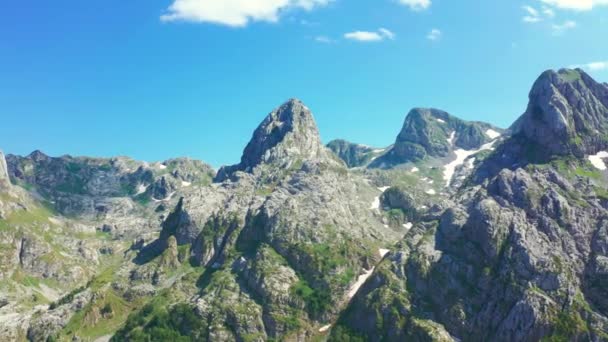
{"x":458,"y":231}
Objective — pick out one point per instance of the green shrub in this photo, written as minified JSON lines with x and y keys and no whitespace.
{"x":156,"y":323}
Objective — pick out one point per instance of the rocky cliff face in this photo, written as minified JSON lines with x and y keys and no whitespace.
{"x":519,"y":256}
{"x":566,"y":113}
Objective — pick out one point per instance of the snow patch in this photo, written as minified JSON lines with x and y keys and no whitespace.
{"x":414,"y":169}
{"x":461,"y":156}
{"x":165,"y":199}
{"x":325,"y":328}
{"x":452,"y":138}
{"x":408,"y":225}
{"x":360,"y":281}
{"x":383,"y":252}
{"x":375,"y":203}
{"x":141,"y":189}
{"x":105,"y":338}
{"x":471,"y":163}
{"x":440,"y":120}
{"x":162,"y":166}
{"x":431,"y":192}
{"x":186,"y":183}
{"x":598,"y":160}
{"x":492,"y":134}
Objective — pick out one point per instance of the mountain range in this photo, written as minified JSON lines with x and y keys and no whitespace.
{"x":459,"y":231}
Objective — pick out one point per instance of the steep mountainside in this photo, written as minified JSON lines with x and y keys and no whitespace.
{"x":460,"y":231}
{"x":66,"y":221}
{"x":521,"y":255}
{"x":280,"y":246}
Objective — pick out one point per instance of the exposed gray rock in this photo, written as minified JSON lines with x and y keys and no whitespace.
{"x":47,"y":324}
{"x":287,"y":137}
{"x":567,"y":113}
{"x":521,"y":254}
{"x":399,"y":198}
{"x":433,"y":133}
{"x":5,"y":181}
{"x":354,"y":155}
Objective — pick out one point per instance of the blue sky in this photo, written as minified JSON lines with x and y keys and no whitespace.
{"x":157,"y":79}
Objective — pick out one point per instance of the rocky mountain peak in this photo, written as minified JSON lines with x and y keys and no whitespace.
{"x":293,"y":127}
{"x":38,"y":156}
{"x":567,"y":113}
{"x":286,"y":135}
{"x":429,"y":132}
{"x":4,"y":179}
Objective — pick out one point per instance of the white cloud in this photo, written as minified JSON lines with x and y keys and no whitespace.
{"x":596,"y":66}
{"x":237,"y":13}
{"x":387,"y":33}
{"x":531,"y":10}
{"x":548,"y":12}
{"x":593,"y":66}
{"x":323,"y":39}
{"x":532,"y":16}
{"x":565,"y":26}
{"x":434,"y":34}
{"x":363,"y":36}
{"x":577,"y":5}
{"x":370,"y":36}
{"x":531,"y":19}
{"x":416,"y":5}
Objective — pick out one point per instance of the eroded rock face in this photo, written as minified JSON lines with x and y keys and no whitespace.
{"x":509,"y":262}
{"x":287,"y":137}
{"x":567,"y":113}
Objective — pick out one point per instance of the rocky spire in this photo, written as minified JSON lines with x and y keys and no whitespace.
{"x":567,"y":113}
{"x":4,"y":179}
{"x":287,"y":134}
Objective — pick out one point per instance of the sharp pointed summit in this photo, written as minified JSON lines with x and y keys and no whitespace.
{"x":287,"y":135}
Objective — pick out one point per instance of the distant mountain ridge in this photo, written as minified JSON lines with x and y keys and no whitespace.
{"x":426,"y":133}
